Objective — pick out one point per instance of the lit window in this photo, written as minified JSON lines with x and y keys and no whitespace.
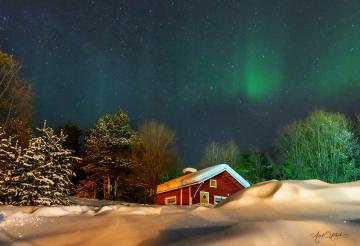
{"x":171,"y":200}
{"x":218,"y":199}
{"x":213,"y":183}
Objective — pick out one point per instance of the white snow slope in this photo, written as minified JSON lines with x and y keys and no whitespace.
{"x":270,"y":213}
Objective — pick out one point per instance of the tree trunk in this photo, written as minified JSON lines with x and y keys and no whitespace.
{"x":116,"y":187}
{"x":104,"y":188}
{"x":94,"y":190}
{"x":152,"y":192}
{"x":108,"y":187}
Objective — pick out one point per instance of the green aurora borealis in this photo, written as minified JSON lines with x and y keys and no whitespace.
{"x":211,"y":70}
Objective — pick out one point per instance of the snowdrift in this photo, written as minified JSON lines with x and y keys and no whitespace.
{"x":275,"y":212}
{"x":60,"y":211}
{"x":310,"y":191}
{"x":292,"y":199}
{"x":312,"y":197}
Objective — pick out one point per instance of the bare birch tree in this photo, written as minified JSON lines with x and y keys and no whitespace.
{"x":15,"y":93}
{"x":15,"y":100}
{"x":153,"y":155}
{"x":217,"y":153}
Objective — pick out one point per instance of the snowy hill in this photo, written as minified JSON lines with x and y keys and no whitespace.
{"x":270,"y":213}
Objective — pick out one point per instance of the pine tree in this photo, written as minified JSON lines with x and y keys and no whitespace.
{"x":40,"y":175}
{"x":107,"y":152}
{"x":9,"y":153}
{"x":58,"y":165}
{"x":31,"y":176}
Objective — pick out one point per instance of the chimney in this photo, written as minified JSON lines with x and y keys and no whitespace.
{"x":189,"y":170}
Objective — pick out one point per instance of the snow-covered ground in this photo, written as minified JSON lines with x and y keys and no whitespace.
{"x":271,"y":213}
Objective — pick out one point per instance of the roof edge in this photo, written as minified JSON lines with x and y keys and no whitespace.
{"x":180,"y":187}
{"x":226,"y":167}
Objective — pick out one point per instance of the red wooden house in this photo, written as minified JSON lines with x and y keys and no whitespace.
{"x":206,"y":186}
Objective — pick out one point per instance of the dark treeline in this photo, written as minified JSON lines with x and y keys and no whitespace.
{"x":323,"y":146}
{"x":114,"y":161}
{"x":121,"y":163}
{"x":43,"y":166}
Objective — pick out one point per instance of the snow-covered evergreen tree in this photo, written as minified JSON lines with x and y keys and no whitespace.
{"x":31,"y":176}
{"x":40,"y":174}
{"x":58,"y":165}
{"x":9,"y":153}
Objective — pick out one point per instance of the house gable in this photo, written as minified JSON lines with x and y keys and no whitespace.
{"x":200,"y":177}
{"x":226,"y":185}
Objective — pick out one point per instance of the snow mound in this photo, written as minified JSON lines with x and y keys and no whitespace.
{"x":310,"y":191}
{"x":104,"y":210}
{"x":60,"y":211}
{"x":17,"y":219}
{"x":12,"y":215}
{"x":139,"y":210}
{"x":146,"y":211}
{"x":123,"y":209}
{"x":199,"y":210}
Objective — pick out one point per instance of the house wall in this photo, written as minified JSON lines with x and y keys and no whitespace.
{"x":185,"y":195}
{"x":226,"y":186}
{"x":160,"y":198}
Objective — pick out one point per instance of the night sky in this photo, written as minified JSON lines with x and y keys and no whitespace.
{"x":211,"y":70}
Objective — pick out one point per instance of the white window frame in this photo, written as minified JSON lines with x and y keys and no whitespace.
{"x":215,"y":181}
{"x":168,"y":198}
{"x":219,"y":197}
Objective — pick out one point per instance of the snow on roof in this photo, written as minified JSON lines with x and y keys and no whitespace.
{"x":199,"y":177}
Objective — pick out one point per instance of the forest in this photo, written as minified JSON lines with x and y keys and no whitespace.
{"x":112,"y":160}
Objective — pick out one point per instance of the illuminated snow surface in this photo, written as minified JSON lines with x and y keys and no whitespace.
{"x":271,"y":213}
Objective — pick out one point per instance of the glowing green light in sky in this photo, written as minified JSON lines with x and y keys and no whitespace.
{"x":262,"y":76}
{"x":259,"y":75}
{"x":260,"y":59}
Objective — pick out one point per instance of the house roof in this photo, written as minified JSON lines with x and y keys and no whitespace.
{"x":199,"y":177}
